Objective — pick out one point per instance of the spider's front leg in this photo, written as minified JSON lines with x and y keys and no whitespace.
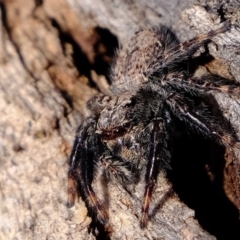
{"x":158,"y":154}
{"x":86,"y":152}
{"x":74,"y":171}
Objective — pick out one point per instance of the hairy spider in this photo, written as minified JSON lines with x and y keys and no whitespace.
{"x":129,"y":132}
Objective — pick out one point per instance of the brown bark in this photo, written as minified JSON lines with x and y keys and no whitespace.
{"x":52,"y":57}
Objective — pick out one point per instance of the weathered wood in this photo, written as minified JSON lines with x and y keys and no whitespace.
{"x":48,"y":70}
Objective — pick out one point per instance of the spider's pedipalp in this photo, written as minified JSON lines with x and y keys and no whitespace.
{"x":116,"y":168}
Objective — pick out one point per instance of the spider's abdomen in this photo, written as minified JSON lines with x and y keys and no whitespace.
{"x":140,"y":58}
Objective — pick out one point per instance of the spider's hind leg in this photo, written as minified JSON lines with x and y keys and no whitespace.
{"x":186,"y":49}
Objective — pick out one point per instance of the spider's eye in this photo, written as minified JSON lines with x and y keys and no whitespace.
{"x":126,"y":125}
{"x":118,"y":131}
{"x":130,"y":103}
{"x":106,"y":135}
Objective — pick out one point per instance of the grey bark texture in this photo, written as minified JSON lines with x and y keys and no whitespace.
{"x":43,"y":95}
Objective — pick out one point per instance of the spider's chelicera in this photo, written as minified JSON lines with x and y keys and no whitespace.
{"x":129,"y":132}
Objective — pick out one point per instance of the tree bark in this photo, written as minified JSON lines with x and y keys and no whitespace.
{"x":54,"y":56}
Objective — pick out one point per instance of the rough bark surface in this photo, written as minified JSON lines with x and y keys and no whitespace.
{"x":52,"y":54}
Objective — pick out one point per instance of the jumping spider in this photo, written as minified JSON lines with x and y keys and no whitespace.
{"x":129,"y":132}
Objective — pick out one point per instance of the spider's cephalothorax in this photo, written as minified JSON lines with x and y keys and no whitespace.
{"x":129,"y":133}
